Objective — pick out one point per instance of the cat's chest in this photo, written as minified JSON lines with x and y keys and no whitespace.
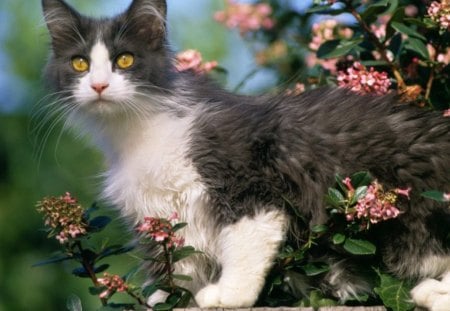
{"x":154,"y":175}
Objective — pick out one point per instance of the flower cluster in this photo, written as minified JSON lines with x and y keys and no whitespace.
{"x":192,"y":60}
{"x":161,"y":230}
{"x":298,"y":89}
{"x":113,"y":283}
{"x":363,"y":81}
{"x":323,"y":31}
{"x":246,"y":17}
{"x":440,"y":13}
{"x":64,"y":216}
{"x":376,"y":205}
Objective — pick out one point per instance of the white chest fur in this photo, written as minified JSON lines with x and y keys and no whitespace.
{"x":152,"y":175}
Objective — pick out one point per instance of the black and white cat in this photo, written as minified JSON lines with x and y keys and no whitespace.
{"x":226,"y":163}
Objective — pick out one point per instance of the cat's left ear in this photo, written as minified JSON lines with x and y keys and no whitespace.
{"x":147,"y":19}
{"x":62,"y":22}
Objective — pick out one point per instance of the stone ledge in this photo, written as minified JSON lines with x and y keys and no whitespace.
{"x":339,"y":308}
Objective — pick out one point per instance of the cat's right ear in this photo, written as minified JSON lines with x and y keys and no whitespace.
{"x":62,"y":22}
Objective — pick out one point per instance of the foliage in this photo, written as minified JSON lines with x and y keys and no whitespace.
{"x":403,"y":40}
{"x":73,"y":226}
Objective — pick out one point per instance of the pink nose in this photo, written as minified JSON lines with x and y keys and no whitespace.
{"x":99,"y":87}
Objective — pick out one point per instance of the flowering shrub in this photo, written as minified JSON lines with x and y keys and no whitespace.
{"x":66,"y":218}
{"x":358,"y":79}
{"x":377,"y":47}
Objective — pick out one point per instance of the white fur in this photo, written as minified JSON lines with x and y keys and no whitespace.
{"x":246,"y":253}
{"x":433,"y":294}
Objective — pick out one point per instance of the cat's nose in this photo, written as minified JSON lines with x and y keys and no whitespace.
{"x":99,"y":87}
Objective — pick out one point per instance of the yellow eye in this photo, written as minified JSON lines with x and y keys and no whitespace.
{"x":80,"y":64}
{"x":125,"y":60}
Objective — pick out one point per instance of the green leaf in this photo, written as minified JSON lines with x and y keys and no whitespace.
{"x":394,"y":293}
{"x":115,"y":250}
{"x":73,"y":303}
{"x":182,"y":277}
{"x":361,"y":179}
{"x":183,"y":252}
{"x":184,"y":300}
{"x":312,"y":269}
{"x":316,"y":300}
{"x":400,"y":27}
{"x":95,"y":291}
{"x":434,"y":195}
{"x":338,"y":238}
{"x":360,"y":192}
{"x":55,"y":259}
{"x":359,"y":247}
{"x":163,"y":307}
{"x":179,"y":226}
{"x":417,"y":46}
{"x":319,"y":228}
{"x":98,"y":223}
{"x":374,"y":63}
{"x":337,"y":48}
{"x":335,"y":197}
{"x":379,"y":8}
{"x":150,"y":289}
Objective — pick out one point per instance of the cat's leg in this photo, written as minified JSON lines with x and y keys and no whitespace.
{"x":434,"y":294}
{"x":246,"y":253}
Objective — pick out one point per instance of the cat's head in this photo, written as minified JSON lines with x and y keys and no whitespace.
{"x":105,"y":64}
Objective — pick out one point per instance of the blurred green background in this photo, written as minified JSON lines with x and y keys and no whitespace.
{"x":38,"y":158}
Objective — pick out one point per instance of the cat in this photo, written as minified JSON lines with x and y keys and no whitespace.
{"x":227,"y":163}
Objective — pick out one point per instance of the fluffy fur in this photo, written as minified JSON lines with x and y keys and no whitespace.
{"x":227,"y":163}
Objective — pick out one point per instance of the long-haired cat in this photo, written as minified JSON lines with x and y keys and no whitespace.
{"x":227,"y":163}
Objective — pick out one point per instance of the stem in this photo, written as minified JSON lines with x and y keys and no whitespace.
{"x":89,"y":267}
{"x":429,"y":84}
{"x":168,"y":266}
{"x":379,"y":46}
{"x":139,"y":299}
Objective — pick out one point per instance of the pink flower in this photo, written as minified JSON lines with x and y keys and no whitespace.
{"x":64,"y":217}
{"x":440,"y":13}
{"x":358,"y":79}
{"x":246,"y":17}
{"x":348,"y":183}
{"x":298,"y":89}
{"x":113,"y":283}
{"x":446,"y":113}
{"x":376,"y":205}
{"x":192,"y":60}
{"x":161,"y":230}
{"x":403,"y":192}
{"x":447,"y":197}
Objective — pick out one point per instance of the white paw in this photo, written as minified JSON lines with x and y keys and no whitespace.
{"x":208,"y":296}
{"x":157,"y":297}
{"x":433,"y":294}
{"x":225,"y":297}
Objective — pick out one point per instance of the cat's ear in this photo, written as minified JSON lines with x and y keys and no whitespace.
{"x":147,"y":19}
{"x":62,"y":22}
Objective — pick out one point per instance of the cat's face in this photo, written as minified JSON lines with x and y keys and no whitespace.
{"x":106,"y":65}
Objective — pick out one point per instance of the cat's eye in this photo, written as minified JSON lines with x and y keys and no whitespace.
{"x":125,"y":60}
{"x":80,"y":64}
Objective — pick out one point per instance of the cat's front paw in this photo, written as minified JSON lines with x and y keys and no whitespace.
{"x":433,"y":294}
{"x":208,"y":297}
{"x":216,"y":296}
